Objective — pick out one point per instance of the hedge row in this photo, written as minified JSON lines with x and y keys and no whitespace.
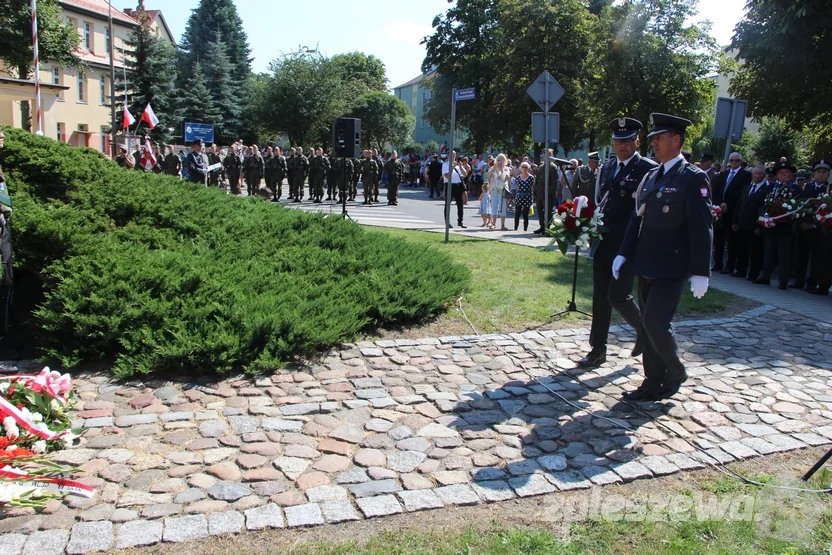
{"x":161,"y":274}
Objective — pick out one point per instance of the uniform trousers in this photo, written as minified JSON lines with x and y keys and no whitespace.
{"x":299,"y":179}
{"x":808,"y":245}
{"x":750,"y":254}
{"x":316,"y":185}
{"x":778,"y":253}
{"x":367,"y":185}
{"x":609,"y":293}
{"x":541,"y":214}
{"x":278,"y":185}
{"x":393,"y":190}
{"x":234,"y":182}
{"x":657,"y":301}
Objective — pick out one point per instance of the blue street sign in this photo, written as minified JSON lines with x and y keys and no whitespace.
{"x":194,"y":131}
{"x":465,"y":94}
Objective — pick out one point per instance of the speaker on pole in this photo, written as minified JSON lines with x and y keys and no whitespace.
{"x":346,"y":137}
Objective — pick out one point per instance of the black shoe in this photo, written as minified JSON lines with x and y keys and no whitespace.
{"x":819,"y":291}
{"x":795,"y":285}
{"x":783,"y":287}
{"x":594,"y":358}
{"x":328,"y":198}
{"x":638,"y":348}
{"x":366,"y":202}
{"x":716,"y":269}
{"x":430,"y":196}
{"x":298,"y":200}
{"x":375,"y":199}
{"x":641,"y":394}
{"x":538,"y":231}
{"x":463,"y":226}
{"x":450,"y":226}
{"x":762,"y":281}
{"x":738,"y":274}
{"x":726,"y":271}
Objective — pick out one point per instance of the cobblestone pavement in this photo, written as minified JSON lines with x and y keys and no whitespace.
{"x":393,"y":426}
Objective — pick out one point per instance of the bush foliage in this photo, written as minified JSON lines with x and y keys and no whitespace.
{"x":160,"y":274}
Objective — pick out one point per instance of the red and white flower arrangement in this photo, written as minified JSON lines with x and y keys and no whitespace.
{"x":576,"y":222}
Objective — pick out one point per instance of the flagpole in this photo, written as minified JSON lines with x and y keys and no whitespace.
{"x":112,"y":81}
{"x":38,"y":108}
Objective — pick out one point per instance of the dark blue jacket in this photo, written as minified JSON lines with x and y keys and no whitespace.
{"x":673,"y":237}
{"x":620,"y":201}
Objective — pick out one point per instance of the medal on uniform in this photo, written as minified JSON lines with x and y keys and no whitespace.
{"x":665,"y":209}
{"x":623,"y":193}
{"x":659,"y":194}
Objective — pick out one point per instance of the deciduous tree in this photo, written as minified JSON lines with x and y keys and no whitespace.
{"x":384,"y":119}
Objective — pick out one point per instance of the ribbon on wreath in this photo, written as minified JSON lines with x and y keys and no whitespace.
{"x":770,"y":221}
{"x":53,"y":484}
{"x":50,"y":381}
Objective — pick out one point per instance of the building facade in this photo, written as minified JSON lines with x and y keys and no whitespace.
{"x":76,"y":101}
{"x":416,"y":96}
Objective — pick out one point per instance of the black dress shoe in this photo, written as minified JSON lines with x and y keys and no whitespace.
{"x":795,"y":285}
{"x":783,"y":287}
{"x":716,"y":269}
{"x":638,"y":348}
{"x":463,"y":226}
{"x":819,"y":291}
{"x":726,"y":271}
{"x":594,"y":358}
{"x":641,"y":394}
{"x":538,"y":231}
{"x":762,"y":281}
{"x":738,"y":274}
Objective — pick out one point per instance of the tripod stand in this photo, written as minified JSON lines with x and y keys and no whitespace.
{"x":571,"y":306}
{"x":343,"y":190}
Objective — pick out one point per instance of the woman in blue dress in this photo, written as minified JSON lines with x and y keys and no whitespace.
{"x":522,"y":186}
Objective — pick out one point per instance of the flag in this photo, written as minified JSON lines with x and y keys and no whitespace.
{"x":148,"y":160}
{"x":149,"y":117}
{"x":127,"y":119}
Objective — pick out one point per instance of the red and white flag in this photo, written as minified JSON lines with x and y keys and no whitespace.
{"x":127,"y":120}
{"x":148,"y":159}
{"x":149,"y":117}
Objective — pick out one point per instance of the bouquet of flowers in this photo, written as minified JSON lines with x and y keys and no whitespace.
{"x":576,"y":222}
{"x":816,"y":211}
{"x":33,"y":411}
{"x":716,"y":212}
{"x":780,"y":208}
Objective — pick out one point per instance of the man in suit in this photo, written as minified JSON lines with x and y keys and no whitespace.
{"x":706,"y":162}
{"x":749,"y":232}
{"x":779,"y":239}
{"x":727,"y":188}
{"x":668,"y":241}
{"x":615,"y":190}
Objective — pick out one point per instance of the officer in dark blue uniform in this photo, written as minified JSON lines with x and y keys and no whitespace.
{"x":668,"y":241}
{"x":779,"y":240}
{"x":615,"y":192}
{"x":195,"y":163}
{"x":809,"y":243}
{"x":820,"y":187}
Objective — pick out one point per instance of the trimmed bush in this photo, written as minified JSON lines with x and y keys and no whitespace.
{"x":161,"y":275}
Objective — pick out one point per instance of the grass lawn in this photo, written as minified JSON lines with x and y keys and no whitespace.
{"x":515,"y":287}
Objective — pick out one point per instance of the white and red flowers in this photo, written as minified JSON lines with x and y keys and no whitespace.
{"x":576,"y":222}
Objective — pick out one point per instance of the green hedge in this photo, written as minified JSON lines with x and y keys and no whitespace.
{"x":161,"y":274}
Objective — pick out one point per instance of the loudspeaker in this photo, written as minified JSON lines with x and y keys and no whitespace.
{"x":346,"y":137}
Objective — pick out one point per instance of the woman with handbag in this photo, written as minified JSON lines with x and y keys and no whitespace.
{"x":498,"y":187}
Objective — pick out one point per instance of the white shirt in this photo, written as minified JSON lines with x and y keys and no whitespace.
{"x":454,"y":176}
{"x":756,"y":187}
{"x":670,"y":163}
{"x":625,"y":162}
{"x":478,"y":166}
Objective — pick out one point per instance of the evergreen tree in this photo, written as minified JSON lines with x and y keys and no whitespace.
{"x":217,"y":71}
{"x":197,"y":103}
{"x":151,"y":78}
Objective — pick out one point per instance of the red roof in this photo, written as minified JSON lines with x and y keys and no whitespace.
{"x":100,"y":7}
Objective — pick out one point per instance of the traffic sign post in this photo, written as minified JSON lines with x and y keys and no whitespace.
{"x":546,"y":92}
{"x":729,"y":121}
{"x":457,"y":95}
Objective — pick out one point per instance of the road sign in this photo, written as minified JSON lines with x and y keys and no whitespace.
{"x":545,"y":91}
{"x":730,"y":118}
{"x":465,"y":94}
{"x":539,"y":122}
{"x":194,"y":131}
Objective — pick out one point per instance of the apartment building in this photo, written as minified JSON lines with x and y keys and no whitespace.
{"x":76,"y":101}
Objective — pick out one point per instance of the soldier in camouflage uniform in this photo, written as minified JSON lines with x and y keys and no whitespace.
{"x":343,"y":171}
{"x":356,"y":177}
{"x":278,"y":168}
{"x":233,"y":166}
{"x":331,"y":176}
{"x":368,"y":176}
{"x":318,"y":167}
{"x":379,"y":168}
{"x":395,"y":173}
{"x":254,"y":170}
{"x":291,"y":161}
{"x":300,"y":174}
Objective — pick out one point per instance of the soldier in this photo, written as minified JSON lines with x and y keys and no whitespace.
{"x":395,"y":174}
{"x":342,"y":172}
{"x":540,"y":192}
{"x":356,"y":177}
{"x":301,"y":172}
{"x":379,"y":168}
{"x":318,"y":166}
{"x":268,"y":169}
{"x":233,"y":165}
{"x":368,"y":176}
{"x":195,"y":163}
{"x":586,"y":176}
{"x":172,"y":163}
{"x":7,"y":284}
{"x":213,"y":158}
{"x":291,"y":162}
{"x":820,"y":173}
{"x":779,"y":239}
{"x":254,"y":169}
{"x":706,"y":162}
{"x":668,"y":241}
{"x":811,"y":239}
{"x":616,"y":186}
{"x":331,"y":177}
{"x":278,"y":165}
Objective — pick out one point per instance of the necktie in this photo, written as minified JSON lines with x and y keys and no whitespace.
{"x":660,"y":173}
{"x":753,"y":190}
{"x":619,"y":170}
{"x":730,"y":177}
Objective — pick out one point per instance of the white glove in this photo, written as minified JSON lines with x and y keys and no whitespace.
{"x":616,"y":265}
{"x":699,"y":286}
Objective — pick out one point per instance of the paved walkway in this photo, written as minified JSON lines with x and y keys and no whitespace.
{"x":394,"y":426}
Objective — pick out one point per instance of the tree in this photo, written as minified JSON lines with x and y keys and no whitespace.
{"x":305,"y":94}
{"x":197,"y":104}
{"x":217,"y":71}
{"x":664,"y":62}
{"x":776,"y":138}
{"x":151,"y":77}
{"x":57,"y":41}
{"x":256,"y":107}
{"x":782,"y":47}
{"x":364,"y":72}
{"x":384,"y":119}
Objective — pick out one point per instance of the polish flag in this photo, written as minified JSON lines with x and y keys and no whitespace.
{"x":127,"y":120}
{"x":149,"y":117}
{"x":148,"y":160}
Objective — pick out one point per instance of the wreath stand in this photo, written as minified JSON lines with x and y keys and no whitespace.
{"x":571,"y":306}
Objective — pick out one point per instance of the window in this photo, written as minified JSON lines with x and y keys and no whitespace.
{"x":82,"y":127}
{"x":56,"y":76}
{"x":105,"y":139}
{"x":102,"y":82}
{"x":60,"y":130}
{"x":87,"y":36}
{"x":82,"y":85}
{"x":107,"y":39}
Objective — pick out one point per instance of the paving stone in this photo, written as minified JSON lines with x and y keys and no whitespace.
{"x":353,"y":475}
{"x":554,"y":463}
{"x":326,"y":493}
{"x":185,"y":528}
{"x":226,"y":522}
{"x":493,"y":490}
{"x":786,"y":443}
{"x":136,"y":419}
{"x":757,"y":430}
{"x":162,"y":510}
{"x":267,"y":516}
{"x":420,"y":500}
{"x":458,"y":494}
{"x":602,"y":475}
{"x":350,"y":433}
{"x":90,"y":537}
{"x":213,"y":428}
{"x":138,"y":533}
{"x":292,"y":467}
{"x":405,"y":461}
{"x":737,"y":450}
{"x":281,"y":425}
{"x":659,"y":465}
{"x":685,"y":462}
{"x":47,"y":542}
{"x":339,"y":511}
{"x":12,"y":544}
{"x":760,"y":445}
{"x":632,"y":471}
{"x":375,"y":487}
{"x":381,"y":505}
{"x":226,"y":491}
{"x":304,"y":515}
{"x":527,"y":486}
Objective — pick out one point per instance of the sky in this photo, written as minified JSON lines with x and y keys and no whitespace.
{"x":390,"y":33}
